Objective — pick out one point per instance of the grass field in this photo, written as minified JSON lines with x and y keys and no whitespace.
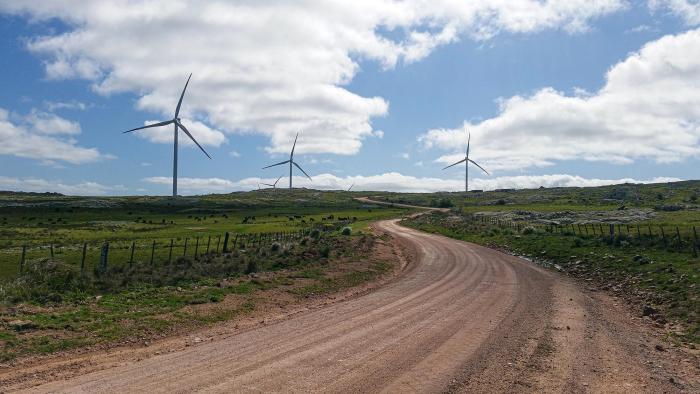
{"x":42,"y":222}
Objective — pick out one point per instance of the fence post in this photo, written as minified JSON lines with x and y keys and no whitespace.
{"x":184,"y":252}
{"x":51,"y":248}
{"x":663,"y":234}
{"x":612,"y":233}
{"x":196,"y":248}
{"x":593,"y":227}
{"x":639,"y":233}
{"x":678,"y":234}
{"x":82,"y":261}
{"x":104,"y":257}
{"x":225,"y":243}
{"x":21,"y":260}
{"x":153,"y":251}
{"x":235,"y":242}
{"x":695,"y":243}
{"x":170,"y":254}
{"x":208,"y":243}
{"x":218,"y":241}
{"x":131,"y":259}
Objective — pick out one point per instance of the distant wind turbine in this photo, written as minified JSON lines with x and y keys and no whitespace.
{"x":178,"y":125}
{"x":273,"y":185}
{"x":350,"y":188}
{"x":291,"y":162}
{"x":467,"y":160}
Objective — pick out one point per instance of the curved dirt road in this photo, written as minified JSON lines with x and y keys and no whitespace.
{"x":459,"y":318}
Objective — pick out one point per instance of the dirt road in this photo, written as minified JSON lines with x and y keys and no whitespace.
{"x":459,"y":318}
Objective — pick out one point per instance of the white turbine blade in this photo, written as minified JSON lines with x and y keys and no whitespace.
{"x":179,"y":103}
{"x":469,"y":140}
{"x":294,"y":146}
{"x":167,"y":122}
{"x":192,"y":138}
{"x":300,"y":169}
{"x":452,"y":165}
{"x":482,"y":168}
{"x":278,"y":164}
{"x":278,"y":179}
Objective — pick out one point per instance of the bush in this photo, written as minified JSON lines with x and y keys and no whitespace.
{"x":275,"y":247}
{"x":315,"y":233}
{"x":325,"y":251}
{"x":251,"y":267}
{"x":578,"y":242}
{"x":347,"y":231}
{"x":528,"y":230}
{"x":43,"y":280}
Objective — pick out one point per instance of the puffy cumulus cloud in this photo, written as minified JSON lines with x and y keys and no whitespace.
{"x":649,"y":108}
{"x":49,"y":123}
{"x":42,"y":185}
{"x":204,"y":134}
{"x":688,"y":10}
{"x":40,"y":136}
{"x":272,"y":67}
{"x":393,"y":181}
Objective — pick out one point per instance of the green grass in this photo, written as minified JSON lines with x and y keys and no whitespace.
{"x":38,"y":221}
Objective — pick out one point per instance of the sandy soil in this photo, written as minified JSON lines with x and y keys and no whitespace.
{"x":458,"y":318}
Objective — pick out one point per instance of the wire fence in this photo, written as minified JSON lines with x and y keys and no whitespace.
{"x":672,"y":238}
{"x":98,"y":256}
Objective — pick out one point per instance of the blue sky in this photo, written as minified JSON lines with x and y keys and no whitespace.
{"x":377,"y":115}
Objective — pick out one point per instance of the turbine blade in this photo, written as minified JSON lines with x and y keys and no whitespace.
{"x":469,"y":140}
{"x":149,"y":126}
{"x":278,"y":179}
{"x":278,"y":164}
{"x":300,"y":169}
{"x":294,"y":146}
{"x":482,"y":168}
{"x":179,"y":103}
{"x":452,"y":165}
{"x":192,"y":138}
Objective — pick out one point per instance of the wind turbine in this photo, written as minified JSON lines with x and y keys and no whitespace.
{"x":178,"y":125}
{"x":274,"y":185}
{"x":467,"y":160}
{"x":350,"y":188}
{"x":291,"y":162}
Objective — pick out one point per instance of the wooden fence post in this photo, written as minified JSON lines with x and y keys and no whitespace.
{"x":224,"y":250}
{"x":218,"y":241}
{"x":196,"y":248}
{"x":678,"y":234}
{"x":208,"y":243}
{"x":639,"y":233}
{"x":695,"y":243}
{"x":170,"y":254}
{"x":131,"y":259}
{"x":82,"y":261}
{"x":51,"y":248}
{"x":663,"y":234}
{"x":153,"y":251}
{"x":104,"y":257}
{"x":184,"y":252}
{"x":612,"y":233}
{"x":21,"y":259}
{"x":235,"y":243}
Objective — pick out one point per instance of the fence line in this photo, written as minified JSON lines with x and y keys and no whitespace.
{"x":686,"y":240}
{"x":130,"y":252}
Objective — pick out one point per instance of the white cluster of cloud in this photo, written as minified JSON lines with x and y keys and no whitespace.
{"x":688,"y":10}
{"x":395,"y":182}
{"x":649,"y":108}
{"x":39,"y":185}
{"x":43,"y":136}
{"x":272,"y":67}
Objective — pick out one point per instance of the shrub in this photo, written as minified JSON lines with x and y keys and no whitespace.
{"x":347,"y":231}
{"x":251,"y":267}
{"x":528,"y":230}
{"x":325,"y":251}
{"x":315,"y":233}
{"x":578,"y":242}
{"x":275,"y":247}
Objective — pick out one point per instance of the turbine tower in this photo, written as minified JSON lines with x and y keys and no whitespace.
{"x":273,"y":185}
{"x":291,"y":162}
{"x":177,"y":125}
{"x":466,"y":162}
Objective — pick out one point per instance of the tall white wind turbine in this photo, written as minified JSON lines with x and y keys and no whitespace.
{"x":466,"y":162}
{"x":291,"y":163}
{"x":177,"y":125}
